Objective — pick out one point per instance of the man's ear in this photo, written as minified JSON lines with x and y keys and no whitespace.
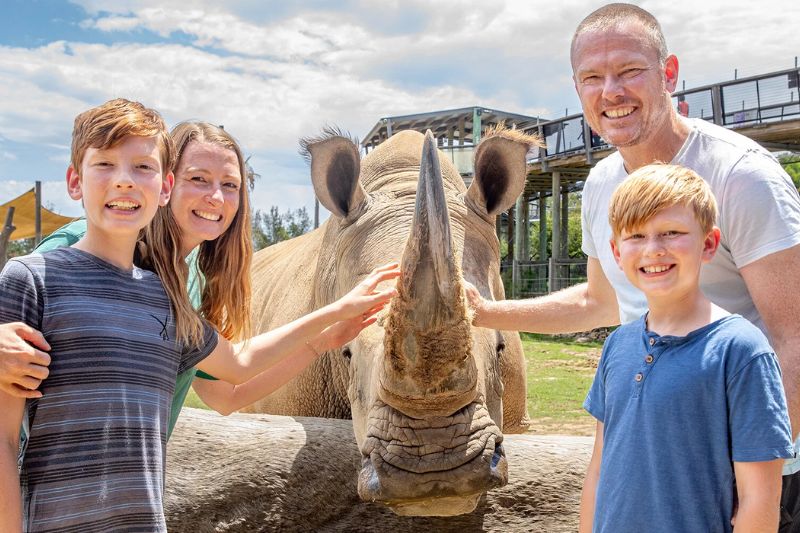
{"x":74,"y":184}
{"x":615,"y":251}
{"x":671,"y":73}
{"x":166,"y":188}
{"x":711,"y":244}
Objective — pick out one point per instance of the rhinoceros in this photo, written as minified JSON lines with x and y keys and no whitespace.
{"x":429,"y":394}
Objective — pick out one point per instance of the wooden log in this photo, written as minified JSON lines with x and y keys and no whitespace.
{"x":254,"y":473}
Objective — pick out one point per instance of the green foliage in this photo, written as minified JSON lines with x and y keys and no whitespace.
{"x":791,"y":164}
{"x":20,"y":247}
{"x":271,"y":227}
{"x":573,"y":230}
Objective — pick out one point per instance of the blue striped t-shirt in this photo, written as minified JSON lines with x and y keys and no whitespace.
{"x":96,"y":455}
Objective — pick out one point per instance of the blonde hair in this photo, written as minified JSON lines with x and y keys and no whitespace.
{"x":223,"y":262}
{"x":614,"y":15}
{"x":105,"y":126}
{"x":653,"y":188}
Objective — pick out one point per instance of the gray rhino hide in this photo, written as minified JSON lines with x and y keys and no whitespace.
{"x":251,"y":473}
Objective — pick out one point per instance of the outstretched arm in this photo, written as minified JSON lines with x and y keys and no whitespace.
{"x":579,"y":308}
{"x":10,"y":422}
{"x":759,"y":488}
{"x":237,"y":364}
{"x":226,"y":398}
{"x":23,"y":363}
{"x":590,"y":483}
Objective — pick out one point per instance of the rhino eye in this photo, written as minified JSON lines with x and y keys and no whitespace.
{"x":347,"y":353}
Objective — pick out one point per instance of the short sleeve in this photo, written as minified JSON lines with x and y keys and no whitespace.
{"x":194,"y":354}
{"x":757,"y":413}
{"x":758,"y":189}
{"x":64,"y":236}
{"x":21,"y":295}
{"x":595,"y":402}
{"x":587,"y":242}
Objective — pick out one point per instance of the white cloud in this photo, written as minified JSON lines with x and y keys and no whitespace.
{"x":274,"y":73}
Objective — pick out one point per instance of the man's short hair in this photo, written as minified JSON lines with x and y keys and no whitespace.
{"x":614,"y":15}
{"x":653,"y":188}
{"x":105,"y":126}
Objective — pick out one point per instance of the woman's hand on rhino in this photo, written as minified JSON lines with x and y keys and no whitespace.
{"x":344,"y":331}
{"x":22,"y":365}
{"x":364,"y":297}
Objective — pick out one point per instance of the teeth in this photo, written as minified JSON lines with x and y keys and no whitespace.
{"x":208,"y":216}
{"x":619,"y":112}
{"x":655,"y":269}
{"x":122,"y":204}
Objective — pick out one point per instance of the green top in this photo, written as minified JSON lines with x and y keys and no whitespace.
{"x":72,"y":233}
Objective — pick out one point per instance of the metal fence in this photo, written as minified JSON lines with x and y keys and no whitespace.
{"x":533,"y":278}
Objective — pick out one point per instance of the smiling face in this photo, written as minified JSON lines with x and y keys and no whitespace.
{"x":121,"y":186}
{"x":208,"y":188}
{"x":623,"y":88}
{"x":662,"y":256}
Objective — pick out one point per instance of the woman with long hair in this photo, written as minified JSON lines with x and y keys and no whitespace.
{"x":204,"y":236}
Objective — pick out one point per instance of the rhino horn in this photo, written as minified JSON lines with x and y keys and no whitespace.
{"x":431,"y":276}
{"x":428,"y":368}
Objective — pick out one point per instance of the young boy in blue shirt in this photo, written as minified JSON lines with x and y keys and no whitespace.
{"x":689,"y":397}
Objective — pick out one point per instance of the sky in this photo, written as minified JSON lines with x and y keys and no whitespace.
{"x":274,"y":71}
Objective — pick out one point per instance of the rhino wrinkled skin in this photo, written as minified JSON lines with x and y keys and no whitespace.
{"x":430,"y":395}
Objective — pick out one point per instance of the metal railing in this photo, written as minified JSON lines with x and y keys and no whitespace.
{"x":766,"y":98}
{"x":533,"y":278}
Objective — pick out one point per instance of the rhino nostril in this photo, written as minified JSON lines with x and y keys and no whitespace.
{"x":347,"y":353}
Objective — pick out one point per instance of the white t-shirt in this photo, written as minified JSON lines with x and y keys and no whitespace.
{"x":759,"y":214}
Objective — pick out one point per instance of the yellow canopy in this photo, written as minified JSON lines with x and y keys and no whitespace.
{"x":25,"y":217}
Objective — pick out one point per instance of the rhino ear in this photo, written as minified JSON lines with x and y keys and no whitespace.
{"x":335,"y":167}
{"x":500,"y":171}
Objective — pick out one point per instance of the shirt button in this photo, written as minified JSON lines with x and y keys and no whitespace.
{"x":652,"y":341}
{"x":639,"y":377}
{"x":648,"y":359}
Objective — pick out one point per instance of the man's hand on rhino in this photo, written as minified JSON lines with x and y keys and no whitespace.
{"x":22,"y":365}
{"x":365,"y":297}
{"x":475,"y":301}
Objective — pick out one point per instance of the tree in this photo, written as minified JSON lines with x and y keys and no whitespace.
{"x":791,"y":164}
{"x":271,"y":227}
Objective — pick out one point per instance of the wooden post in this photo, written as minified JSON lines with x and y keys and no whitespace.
{"x":555,"y":247}
{"x":38,"y":201}
{"x":5,"y":235}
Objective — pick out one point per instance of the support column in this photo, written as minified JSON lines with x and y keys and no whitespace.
{"x":38,"y":208}
{"x":542,"y":227}
{"x":564,"y":226}
{"x":476,"y":126}
{"x":521,"y":244}
{"x":555,"y":247}
{"x":5,"y":234}
{"x":510,"y":233}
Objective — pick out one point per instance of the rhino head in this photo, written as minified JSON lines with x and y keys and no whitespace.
{"x":426,"y":388}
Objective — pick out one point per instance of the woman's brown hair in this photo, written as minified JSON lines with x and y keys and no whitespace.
{"x":224,"y":263}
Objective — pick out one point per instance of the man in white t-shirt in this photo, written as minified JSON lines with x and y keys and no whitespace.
{"x":624,"y":77}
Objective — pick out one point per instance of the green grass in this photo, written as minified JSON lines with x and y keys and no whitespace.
{"x":559,"y":375}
